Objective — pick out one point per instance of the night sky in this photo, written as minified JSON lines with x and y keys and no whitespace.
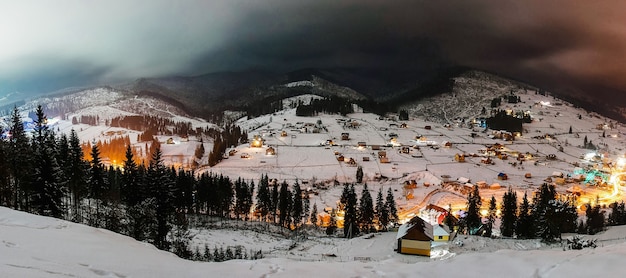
{"x":573,"y":45}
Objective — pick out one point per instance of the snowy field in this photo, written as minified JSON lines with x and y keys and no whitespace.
{"x":35,"y":246}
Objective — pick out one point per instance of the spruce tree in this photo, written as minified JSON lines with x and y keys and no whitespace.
{"x":297,"y":207}
{"x":284,"y":205}
{"x":350,"y":222}
{"x":491,"y":216}
{"x":98,"y":185}
{"x":359,"y":174}
{"x":47,"y":183}
{"x":263,"y":198}
{"x":390,"y":204}
{"x":366,"y":210}
{"x":77,"y":175}
{"x":382,"y":213}
{"x":525,"y":227}
{"x":595,"y":219}
{"x":20,"y":161}
{"x":509,"y":213}
{"x":161,"y":190}
{"x":473,"y":219}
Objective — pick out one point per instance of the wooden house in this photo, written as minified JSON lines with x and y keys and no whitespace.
{"x":270,"y":151}
{"x":415,"y":237}
{"x":459,"y":157}
{"x":382,"y":154}
{"x":503,"y":176}
{"x":345,"y":136}
{"x":366,"y":158}
{"x":361,"y":144}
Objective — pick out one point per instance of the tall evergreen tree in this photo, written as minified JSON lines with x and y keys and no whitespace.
{"x":525,"y":226}
{"x":284,"y":205}
{"x":132,"y":191}
{"x":20,"y":161}
{"x":382,"y":213}
{"x":491,"y":216}
{"x":98,"y":185}
{"x":390,"y":204}
{"x":509,"y":213}
{"x":274,"y":201}
{"x":350,"y":222}
{"x":473,"y":219}
{"x":297,"y":207}
{"x":161,"y":190}
{"x":47,"y":187}
{"x":359,"y":174}
{"x":366,"y":210}
{"x":77,"y":175}
{"x":263,"y":197}
{"x":595,"y":219}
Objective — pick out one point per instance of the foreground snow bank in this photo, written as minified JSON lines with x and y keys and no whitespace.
{"x":35,"y":246}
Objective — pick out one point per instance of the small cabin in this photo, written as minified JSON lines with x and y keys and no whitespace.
{"x":270,"y":151}
{"x":459,"y":157}
{"x":361,"y":144}
{"x":382,"y":154}
{"x":418,"y":237}
{"x":345,"y":136}
{"x":366,"y":158}
{"x":503,"y":176}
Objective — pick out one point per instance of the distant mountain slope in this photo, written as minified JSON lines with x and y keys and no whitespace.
{"x":463,"y":96}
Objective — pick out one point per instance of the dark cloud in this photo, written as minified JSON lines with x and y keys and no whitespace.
{"x":574,"y":45}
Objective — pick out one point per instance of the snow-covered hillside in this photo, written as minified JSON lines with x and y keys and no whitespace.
{"x":471,"y":91}
{"x":35,"y":246}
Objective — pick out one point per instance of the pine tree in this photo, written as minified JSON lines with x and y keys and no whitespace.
{"x":77,"y":175}
{"x":617,"y":215}
{"x":595,"y":219}
{"x":359,"y":174}
{"x":98,"y":185}
{"x":390,"y":204}
{"x":382,"y":213}
{"x":161,"y":190}
{"x":491,"y":216}
{"x":48,"y":189}
{"x":131,"y":188}
{"x":297,"y":207}
{"x":509,"y":213}
{"x":284,"y":205}
{"x":20,"y":161}
{"x":263,"y":197}
{"x":366,"y":210}
{"x":350,"y":224}
{"x":274,"y":201}
{"x":570,"y":130}
{"x":525,"y":227}
{"x":473,"y":219}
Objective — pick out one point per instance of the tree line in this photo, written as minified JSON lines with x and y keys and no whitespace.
{"x":545,"y":216}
